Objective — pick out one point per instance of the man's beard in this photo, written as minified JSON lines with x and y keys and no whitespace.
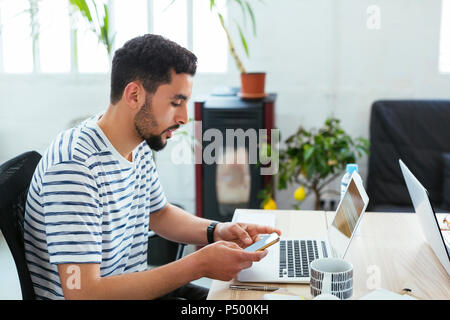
{"x":143,"y":120}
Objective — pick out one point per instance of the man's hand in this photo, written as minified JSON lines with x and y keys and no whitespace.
{"x":223,"y":260}
{"x":243,"y":234}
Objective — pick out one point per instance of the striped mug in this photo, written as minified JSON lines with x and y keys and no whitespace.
{"x":332,"y":276}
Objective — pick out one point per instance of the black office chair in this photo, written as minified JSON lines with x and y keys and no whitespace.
{"x":15,"y":178}
{"x":159,"y":257}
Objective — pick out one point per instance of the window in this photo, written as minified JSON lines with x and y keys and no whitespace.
{"x":64,"y":42}
{"x":129,"y":21}
{"x":54,"y":36}
{"x":444,"y":52}
{"x":211,"y":47}
{"x":168,"y":19}
{"x":91,"y":56}
{"x":16,"y":36}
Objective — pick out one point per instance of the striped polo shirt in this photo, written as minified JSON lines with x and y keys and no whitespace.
{"x":88,"y":204}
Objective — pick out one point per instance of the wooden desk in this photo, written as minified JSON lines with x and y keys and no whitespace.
{"x":388,"y":251}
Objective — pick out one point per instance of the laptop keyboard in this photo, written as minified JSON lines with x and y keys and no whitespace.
{"x":296,"y":255}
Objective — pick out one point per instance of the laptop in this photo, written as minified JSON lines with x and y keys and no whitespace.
{"x":289,"y":259}
{"x":427,"y":217}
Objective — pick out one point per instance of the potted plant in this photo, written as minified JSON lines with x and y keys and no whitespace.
{"x":312,"y":159}
{"x":252,"y":83}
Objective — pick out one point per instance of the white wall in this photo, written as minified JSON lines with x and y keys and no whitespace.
{"x":320,"y":58}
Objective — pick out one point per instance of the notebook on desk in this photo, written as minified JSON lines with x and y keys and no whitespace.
{"x":289,"y":259}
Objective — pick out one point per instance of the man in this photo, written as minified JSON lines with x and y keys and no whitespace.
{"x":96,"y":193}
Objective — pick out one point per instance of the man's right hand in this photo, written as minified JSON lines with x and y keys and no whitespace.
{"x":222,"y":260}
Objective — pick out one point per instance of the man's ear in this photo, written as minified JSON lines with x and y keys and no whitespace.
{"x":134,"y":95}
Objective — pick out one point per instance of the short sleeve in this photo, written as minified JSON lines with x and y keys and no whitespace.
{"x":73,"y":223}
{"x":157,"y":197}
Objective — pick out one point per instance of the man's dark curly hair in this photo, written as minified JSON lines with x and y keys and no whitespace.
{"x":149,"y":59}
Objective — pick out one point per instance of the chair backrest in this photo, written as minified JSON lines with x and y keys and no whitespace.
{"x":15,"y":177}
{"x":417,"y":131}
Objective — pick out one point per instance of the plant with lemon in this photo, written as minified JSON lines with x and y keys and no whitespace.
{"x":314,"y":158}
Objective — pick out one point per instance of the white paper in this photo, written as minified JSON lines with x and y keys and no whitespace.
{"x":278,"y":296}
{"x":264,"y":219}
{"x":383,"y":294}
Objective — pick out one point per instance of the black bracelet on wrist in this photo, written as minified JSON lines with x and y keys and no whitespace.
{"x":210,"y":232}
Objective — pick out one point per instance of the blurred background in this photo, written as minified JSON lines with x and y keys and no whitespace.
{"x":322,"y":58}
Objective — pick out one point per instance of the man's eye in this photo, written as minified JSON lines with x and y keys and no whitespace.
{"x":176,"y":104}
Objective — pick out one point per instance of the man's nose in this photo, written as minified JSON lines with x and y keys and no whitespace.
{"x":181,"y":117}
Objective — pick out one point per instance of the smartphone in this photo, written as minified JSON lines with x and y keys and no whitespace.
{"x":264,"y":243}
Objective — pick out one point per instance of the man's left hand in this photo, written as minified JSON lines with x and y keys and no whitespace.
{"x":243,"y":234}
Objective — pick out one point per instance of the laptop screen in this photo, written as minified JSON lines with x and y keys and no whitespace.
{"x":426,"y":216}
{"x":347,"y":216}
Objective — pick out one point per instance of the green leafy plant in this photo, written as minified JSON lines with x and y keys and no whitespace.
{"x":312,"y":159}
{"x":98,"y":19}
{"x":247,"y":13}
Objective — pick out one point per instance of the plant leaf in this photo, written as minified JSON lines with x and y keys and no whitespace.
{"x":252,"y":16}
{"x":309,"y":150}
{"x":222,"y":21}
{"x":171,"y":3}
{"x":244,"y":42}
{"x":82,"y":6}
{"x":244,"y":16}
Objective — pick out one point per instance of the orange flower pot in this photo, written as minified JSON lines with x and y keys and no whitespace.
{"x":253,"y":85}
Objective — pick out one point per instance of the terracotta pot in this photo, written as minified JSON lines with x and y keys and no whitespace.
{"x":253,"y":85}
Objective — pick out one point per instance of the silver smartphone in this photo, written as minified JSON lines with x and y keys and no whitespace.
{"x":264,"y":243}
